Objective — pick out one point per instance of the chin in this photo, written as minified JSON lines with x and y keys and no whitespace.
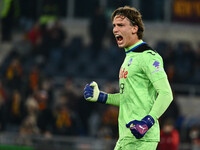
{"x":121,"y":46}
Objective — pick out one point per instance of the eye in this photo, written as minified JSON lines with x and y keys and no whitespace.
{"x":120,"y":25}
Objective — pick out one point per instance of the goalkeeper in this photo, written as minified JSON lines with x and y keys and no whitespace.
{"x":145,"y":92}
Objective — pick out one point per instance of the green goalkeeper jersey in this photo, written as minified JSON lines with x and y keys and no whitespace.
{"x":138,"y":72}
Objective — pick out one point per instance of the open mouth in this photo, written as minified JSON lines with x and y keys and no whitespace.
{"x":119,"y":38}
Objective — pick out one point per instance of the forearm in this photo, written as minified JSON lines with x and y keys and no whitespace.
{"x":163,"y":99}
{"x":113,"y":99}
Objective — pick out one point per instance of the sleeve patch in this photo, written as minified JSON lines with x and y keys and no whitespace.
{"x":156,"y":64}
{"x":157,"y":70}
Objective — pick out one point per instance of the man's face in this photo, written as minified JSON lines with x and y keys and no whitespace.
{"x":124,"y":32}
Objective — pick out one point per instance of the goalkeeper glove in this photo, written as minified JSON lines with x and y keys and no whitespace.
{"x":139,"y":128}
{"x":92,"y":93}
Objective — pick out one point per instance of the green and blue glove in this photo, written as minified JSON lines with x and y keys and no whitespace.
{"x":139,"y":128}
{"x":92,"y":93}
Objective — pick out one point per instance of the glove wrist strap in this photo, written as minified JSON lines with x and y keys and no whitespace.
{"x":102,"y":97}
{"x":149,"y":121}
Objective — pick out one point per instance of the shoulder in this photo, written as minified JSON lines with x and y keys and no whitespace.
{"x":151,"y":59}
{"x":151,"y":55}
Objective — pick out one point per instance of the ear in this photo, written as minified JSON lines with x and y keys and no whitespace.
{"x":134,"y":29}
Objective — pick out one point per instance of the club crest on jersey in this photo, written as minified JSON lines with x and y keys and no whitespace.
{"x":156,"y":64}
{"x":130,"y":61}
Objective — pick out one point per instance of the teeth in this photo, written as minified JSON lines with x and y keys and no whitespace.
{"x":117,"y":36}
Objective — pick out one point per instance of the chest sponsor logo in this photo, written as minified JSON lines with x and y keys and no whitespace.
{"x":123,"y":73}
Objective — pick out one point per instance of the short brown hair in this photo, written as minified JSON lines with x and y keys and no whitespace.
{"x":133,"y":15}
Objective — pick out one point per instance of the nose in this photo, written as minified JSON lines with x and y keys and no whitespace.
{"x":115,"y":29}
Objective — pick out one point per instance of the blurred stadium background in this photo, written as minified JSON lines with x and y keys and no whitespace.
{"x":50,"y":49}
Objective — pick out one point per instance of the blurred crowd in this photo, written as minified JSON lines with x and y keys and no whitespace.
{"x":42,"y":81}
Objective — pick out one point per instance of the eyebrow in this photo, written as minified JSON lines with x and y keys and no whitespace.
{"x":117,"y":24}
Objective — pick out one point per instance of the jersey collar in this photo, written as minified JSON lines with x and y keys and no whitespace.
{"x":131,"y":48}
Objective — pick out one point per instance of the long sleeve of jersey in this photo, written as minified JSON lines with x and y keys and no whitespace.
{"x":152,"y":65}
{"x":163,"y":99}
{"x":113,"y":99}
